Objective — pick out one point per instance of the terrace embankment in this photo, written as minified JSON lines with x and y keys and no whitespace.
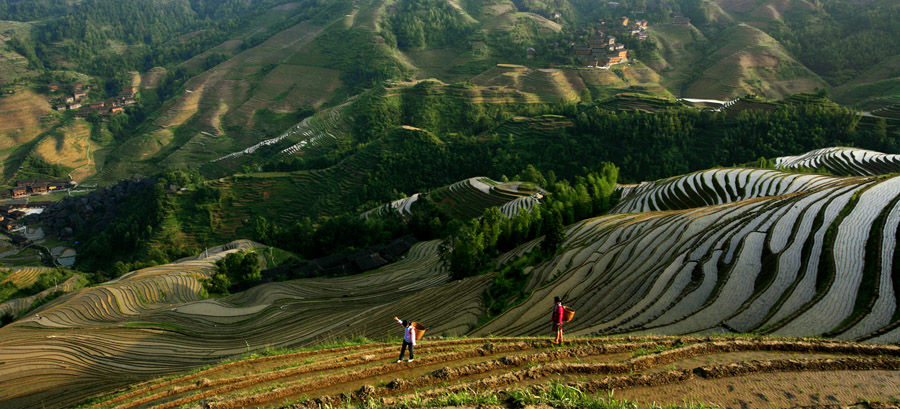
{"x":724,"y":371}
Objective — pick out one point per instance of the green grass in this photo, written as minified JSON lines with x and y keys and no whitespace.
{"x":661,"y":348}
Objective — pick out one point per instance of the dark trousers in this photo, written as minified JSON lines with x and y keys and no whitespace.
{"x":403,"y":350}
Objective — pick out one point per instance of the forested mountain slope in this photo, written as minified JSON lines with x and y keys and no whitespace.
{"x":219,"y":80}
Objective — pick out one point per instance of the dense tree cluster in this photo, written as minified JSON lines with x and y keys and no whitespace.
{"x":421,"y":23}
{"x":468,"y":250}
{"x":237,"y":270}
{"x":148,"y":33}
{"x":138,"y":236}
{"x":29,"y":10}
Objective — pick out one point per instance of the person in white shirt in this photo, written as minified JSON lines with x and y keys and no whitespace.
{"x":409,"y":339}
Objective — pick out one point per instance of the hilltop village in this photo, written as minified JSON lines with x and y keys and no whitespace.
{"x":601,"y":49}
{"x":75,"y":97}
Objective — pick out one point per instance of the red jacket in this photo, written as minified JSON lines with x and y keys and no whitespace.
{"x":558,"y":314}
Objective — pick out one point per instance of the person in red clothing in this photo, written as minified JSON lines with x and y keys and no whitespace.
{"x":409,"y":339}
{"x":557,"y":319}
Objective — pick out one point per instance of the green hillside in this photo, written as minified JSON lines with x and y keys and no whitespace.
{"x":217,"y":80}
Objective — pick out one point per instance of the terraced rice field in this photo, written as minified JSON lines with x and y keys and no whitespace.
{"x":287,"y":197}
{"x":317,"y":131}
{"x":718,"y":186}
{"x":74,"y":149}
{"x":20,"y":117}
{"x":777,"y":253}
{"x":153,"y":322}
{"x":643,"y":369}
{"x":890,"y":111}
{"x":469,"y":198}
{"x":23,"y":277}
{"x":532,"y":86}
{"x":843,"y":161}
{"x":17,"y":306}
{"x":720,"y":251}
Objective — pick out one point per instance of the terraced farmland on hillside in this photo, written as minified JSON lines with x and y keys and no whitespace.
{"x":718,"y":186}
{"x":843,"y":161}
{"x":23,"y":277}
{"x":321,"y":128}
{"x":799,"y":262}
{"x":17,"y":306}
{"x":153,"y":322}
{"x":287,"y":197}
{"x":676,"y":370}
{"x":471,"y":197}
{"x":758,"y":251}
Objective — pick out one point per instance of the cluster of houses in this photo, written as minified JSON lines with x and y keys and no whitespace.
{"x":73,"y":100}
{"x":10,"y":216}
{"x":29,"y":187}
{"x":14,"y":216}
{"x":602,"y":50}
{"x":76,"y":101}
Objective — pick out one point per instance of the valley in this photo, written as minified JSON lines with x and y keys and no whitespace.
{"x":211,"y":204}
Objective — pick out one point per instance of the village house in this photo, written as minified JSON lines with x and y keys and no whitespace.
{"x":129,"y":91}
{"x":116,"y":110}
{"x":79,"y":95}
{"x":623,"y":21}
{"x":556,"y":15}
{"x":70,"y":100}
{"x":54,"y":87}
{"x":97,"y":104}
{"x":78,"y":86}
{"x":642,"y":35}
{"x":615,"y":47}
{"x":582,"y":50}
{"x":8,"y":224}
{"x":39,"y":188}
{"x":641,"y":23}
{"x":27,"y":187}
{"x":61,"y":108}
{"x":75,"y":105}
{"x":618,"y":57}
{"x":597,"y":42}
